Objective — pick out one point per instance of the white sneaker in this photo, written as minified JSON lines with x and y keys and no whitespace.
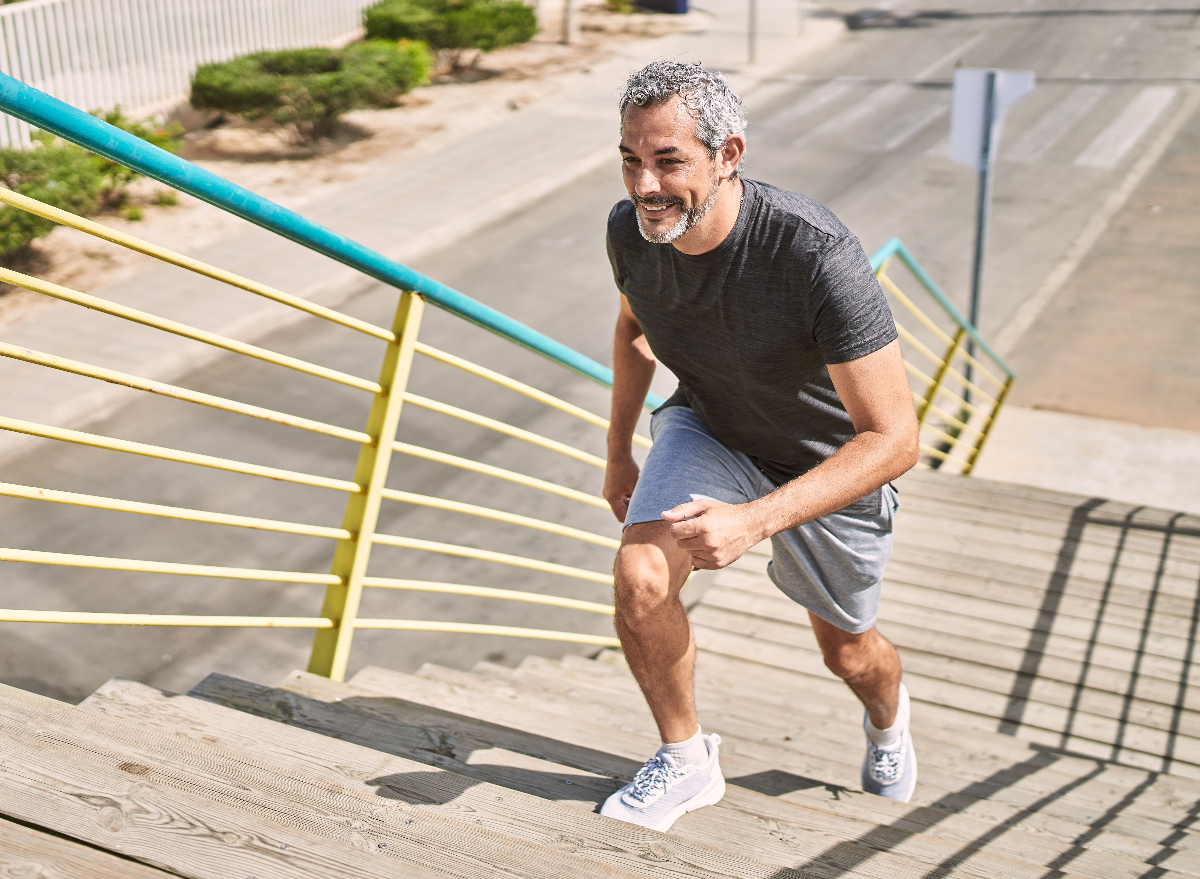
{"x":892,"y":772}
{"x":661,"y":792}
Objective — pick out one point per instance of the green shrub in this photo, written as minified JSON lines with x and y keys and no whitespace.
{"x":309,"y":89}
{"x":452,"y":24}
{"x":68,"y":177}
{"x":61,"y":175}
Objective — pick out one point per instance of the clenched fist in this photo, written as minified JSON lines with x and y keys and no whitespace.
{"x":713,"y":533}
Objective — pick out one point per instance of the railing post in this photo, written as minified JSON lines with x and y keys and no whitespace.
{"x":991,"y":422}
{"x":940,"y":377}
{"x":331,"y":647}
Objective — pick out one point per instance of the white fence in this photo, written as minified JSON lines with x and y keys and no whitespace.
{"x":99,"y":54}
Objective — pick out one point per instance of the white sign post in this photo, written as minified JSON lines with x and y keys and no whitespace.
{"x":977,"y":112}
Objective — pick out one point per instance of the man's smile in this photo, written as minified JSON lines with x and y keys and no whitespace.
{"x":653,"y":210}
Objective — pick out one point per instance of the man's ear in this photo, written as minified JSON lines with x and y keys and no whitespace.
{"x":731,"y":155}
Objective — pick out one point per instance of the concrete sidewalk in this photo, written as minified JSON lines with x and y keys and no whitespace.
{"x":1107,"y":397}
{"x":405,"y":214}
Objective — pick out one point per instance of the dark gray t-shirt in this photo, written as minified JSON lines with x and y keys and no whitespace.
{"x":749,"y":326}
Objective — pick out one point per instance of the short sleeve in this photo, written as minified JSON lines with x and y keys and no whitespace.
{"x":616,"y":244}
{"x":851,"y":316}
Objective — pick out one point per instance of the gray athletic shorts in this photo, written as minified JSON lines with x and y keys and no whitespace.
{"x":833,"y":566}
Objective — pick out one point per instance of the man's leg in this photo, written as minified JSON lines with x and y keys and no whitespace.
{"x":653,"y":626}
{"x":869,"y":665}
{"x":657,"y":638}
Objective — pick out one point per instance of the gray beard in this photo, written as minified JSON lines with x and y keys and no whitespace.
{"x":688,"y":218}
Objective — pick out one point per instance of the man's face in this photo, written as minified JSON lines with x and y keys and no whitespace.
{"x":668,"y":172}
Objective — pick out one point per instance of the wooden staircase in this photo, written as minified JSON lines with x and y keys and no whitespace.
{"x":1048,"y":644}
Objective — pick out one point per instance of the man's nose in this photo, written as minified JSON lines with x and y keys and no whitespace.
{"x":646,"y":183}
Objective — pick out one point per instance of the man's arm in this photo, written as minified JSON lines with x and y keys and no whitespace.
{"x":875,"y":392}
{"x":633,"y":368}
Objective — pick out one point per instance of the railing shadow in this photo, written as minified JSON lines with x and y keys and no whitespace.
{"x":1089,"y":515}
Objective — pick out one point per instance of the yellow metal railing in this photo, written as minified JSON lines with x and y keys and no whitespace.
{"x":957,"y":395}
{"x":959,"y":383}
{"x":358,"y":531}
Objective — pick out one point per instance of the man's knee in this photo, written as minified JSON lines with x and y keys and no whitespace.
{"x":851,"y":658}
{"x":644,"y":578}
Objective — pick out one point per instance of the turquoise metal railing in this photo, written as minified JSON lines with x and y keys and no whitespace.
{"x":959,"y":394}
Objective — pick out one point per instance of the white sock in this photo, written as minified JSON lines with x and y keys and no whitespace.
{"x":890,"y":737}
{"x":693,"y":752}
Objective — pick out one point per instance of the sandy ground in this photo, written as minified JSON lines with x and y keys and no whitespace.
{"x":268,"y":163}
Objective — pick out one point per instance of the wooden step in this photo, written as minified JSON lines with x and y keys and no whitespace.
{"x":1166,"y":566}
{"x":1110,"y":667}
{"x":1042,"y":554}
{"x":751,"y":821}
{"x":1138,"y":532}
{"x":941,"y":766}
{"x":981,"y":663}
{"x":931,"y":681}
{"x":1074,"y":598}
{"x":26,"y":853}
{"x":1034,"y":503}
{"x":746,"y":760}
{"x":607,"y":706}
{"x":952,"y":571}
{"x":344,"y":809}
{"x":104,"y":793}
{"x":582,"y":840}
{"x":1108,"y":798}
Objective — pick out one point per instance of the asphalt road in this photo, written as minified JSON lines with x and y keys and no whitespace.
{"x":861,"y":128}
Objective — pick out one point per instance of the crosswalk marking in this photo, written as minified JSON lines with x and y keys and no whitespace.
{"x":852,"y":115}
{"x":1111,"y":144}
{"x":883,"y":96}
{"x":811,"y":103}
{"x":910,"y":125}
{"x":1057,"y":121}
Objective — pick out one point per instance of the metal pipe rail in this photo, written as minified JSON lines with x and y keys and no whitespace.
{"x":954,"y":411}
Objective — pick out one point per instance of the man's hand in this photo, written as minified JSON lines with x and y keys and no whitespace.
{"x":714,"y":534}
{"x":620,"y":477}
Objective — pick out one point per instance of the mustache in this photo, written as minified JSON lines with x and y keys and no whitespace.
{"x":655,"y":200}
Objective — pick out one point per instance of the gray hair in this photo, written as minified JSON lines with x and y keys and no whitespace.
{"x":705,"y":94}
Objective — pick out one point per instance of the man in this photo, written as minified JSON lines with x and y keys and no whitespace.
{"x":792,"y":416}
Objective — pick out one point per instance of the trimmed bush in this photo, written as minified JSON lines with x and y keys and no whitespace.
{"x":452,"y":24}
{"x":68,"y":177}
{"x":309,"y":89}
{"x":61,"y":175}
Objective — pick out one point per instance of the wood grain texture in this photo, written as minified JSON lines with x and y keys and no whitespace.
{"x":764,"y":692}
{"x":977,"y":655}
{"x":734,"y":719}
{"x":547,"y":692}
{"x":352,"y":813}
{"x":752,"y":758}
{"x":26,"y":853}
{"x":991,"y":639}
{"x":1041,"y":723}
{"x":1027,"y":500}
{"x":726,"y":824}
{"x":1137,"y":531}
{"x":87,"y":789}
{"x":1099,"y":718}
{"x":1134,"y":826}
{"x":491,"y":807}
{"x":1078,"y":600}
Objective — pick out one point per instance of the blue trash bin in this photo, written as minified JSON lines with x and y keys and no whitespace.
{"x":674,"y":7}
